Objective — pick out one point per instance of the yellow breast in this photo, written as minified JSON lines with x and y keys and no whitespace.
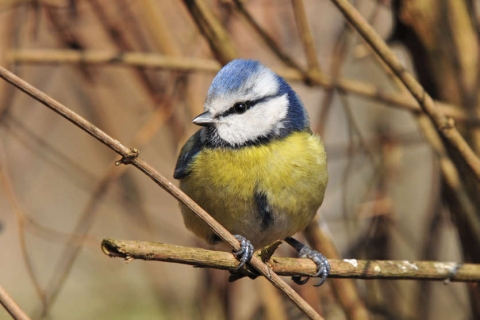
{"x":291,"y":172}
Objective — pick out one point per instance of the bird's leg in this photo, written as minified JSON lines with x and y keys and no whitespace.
{"x":323,"y":266}
{"x":245,"y":253}
{"x":265,"y":255}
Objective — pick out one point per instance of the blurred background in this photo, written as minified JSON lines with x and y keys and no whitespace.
{"x":140,"y":70}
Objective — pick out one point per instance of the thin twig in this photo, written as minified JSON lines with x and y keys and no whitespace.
{"x":346,"y":268}
{"x":67,"y":35}
{"x":337,"y":55}
{"x":218,"y":38}
{"x":443,"y":123}
{"x":20,"y":215}
{"x":306,"y":36}
{"x":130,"y":156}
{"x":276,"y":49}
{"x":466,"y":211}
{"x":121,"y":42}
{"x":11,"y":306}
{"x":346,"y":291}
{"x":137,"y":59}
{"x":153,"y":14}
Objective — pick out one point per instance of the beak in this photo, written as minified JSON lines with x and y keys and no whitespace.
{"x":204,"y":119}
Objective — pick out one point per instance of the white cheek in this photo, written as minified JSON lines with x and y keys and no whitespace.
{"x":262,"y":119}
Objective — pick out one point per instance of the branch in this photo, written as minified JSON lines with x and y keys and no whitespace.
{"x":11,"y":306}
{"x":276,"y":49}
{"x":347,"y":268}
{"x":219,"y":40}
{"x":443,"y":123}
{"x":130,"y":156}
{"x":156,"y":61}
{"x":136,"y":59}
{"x":306,"y":35}
{"x":22,"y":220}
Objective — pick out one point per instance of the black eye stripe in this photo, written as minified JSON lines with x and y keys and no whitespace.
{"x":247,"y":105}
{"x":238,"y":108}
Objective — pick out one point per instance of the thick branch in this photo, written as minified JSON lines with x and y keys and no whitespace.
{"x":130,"y":156}
{"x":347,"y":268}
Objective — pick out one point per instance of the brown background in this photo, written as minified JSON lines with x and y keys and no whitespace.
{"x":383,"y":200}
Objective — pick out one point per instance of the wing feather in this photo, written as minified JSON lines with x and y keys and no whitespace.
{"x":191,"y":148}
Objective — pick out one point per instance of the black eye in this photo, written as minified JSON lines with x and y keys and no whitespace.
{"x":241,"y":107}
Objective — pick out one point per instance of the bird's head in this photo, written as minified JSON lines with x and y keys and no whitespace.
{"x":247,"y":103}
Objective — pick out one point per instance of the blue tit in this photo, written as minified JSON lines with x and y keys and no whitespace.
{"x":255,"y":165}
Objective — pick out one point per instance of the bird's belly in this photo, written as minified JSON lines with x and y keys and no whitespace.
{"x":225,"y":182}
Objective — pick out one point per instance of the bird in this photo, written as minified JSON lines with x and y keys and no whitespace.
{"x":254,"y":165}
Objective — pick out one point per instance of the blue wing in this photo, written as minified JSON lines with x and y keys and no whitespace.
{"x":191,"y":148}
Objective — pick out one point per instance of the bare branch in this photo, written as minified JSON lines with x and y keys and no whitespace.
{"x":137,"y":59}
{"x":11,"y":306}
{"x":22,"y":220}
{"x":347,"y":268}
{"x":218,"y":38}
{"x":276,"y":49}
{"x":306,"y":35}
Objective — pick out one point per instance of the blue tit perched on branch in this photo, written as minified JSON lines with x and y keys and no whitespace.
{"x":255,"y":165}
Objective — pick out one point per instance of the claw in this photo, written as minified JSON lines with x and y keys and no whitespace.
{"x":323,"y":266}
{"x":298,"y":280}
{"x":245,"y":253}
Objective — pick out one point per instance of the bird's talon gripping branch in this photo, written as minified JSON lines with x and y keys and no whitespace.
{"x":323,"y":266}
{"x":245,"y":253}
{"x":253,"y":154}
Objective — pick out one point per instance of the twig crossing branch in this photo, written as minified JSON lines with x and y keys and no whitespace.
{"x":142,"y":165}
{"x":443,"y":123}
{"x":347,"y":268}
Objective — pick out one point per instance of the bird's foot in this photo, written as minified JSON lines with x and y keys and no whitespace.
{"x":245,"y":253}
{"x":323,"y":266}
